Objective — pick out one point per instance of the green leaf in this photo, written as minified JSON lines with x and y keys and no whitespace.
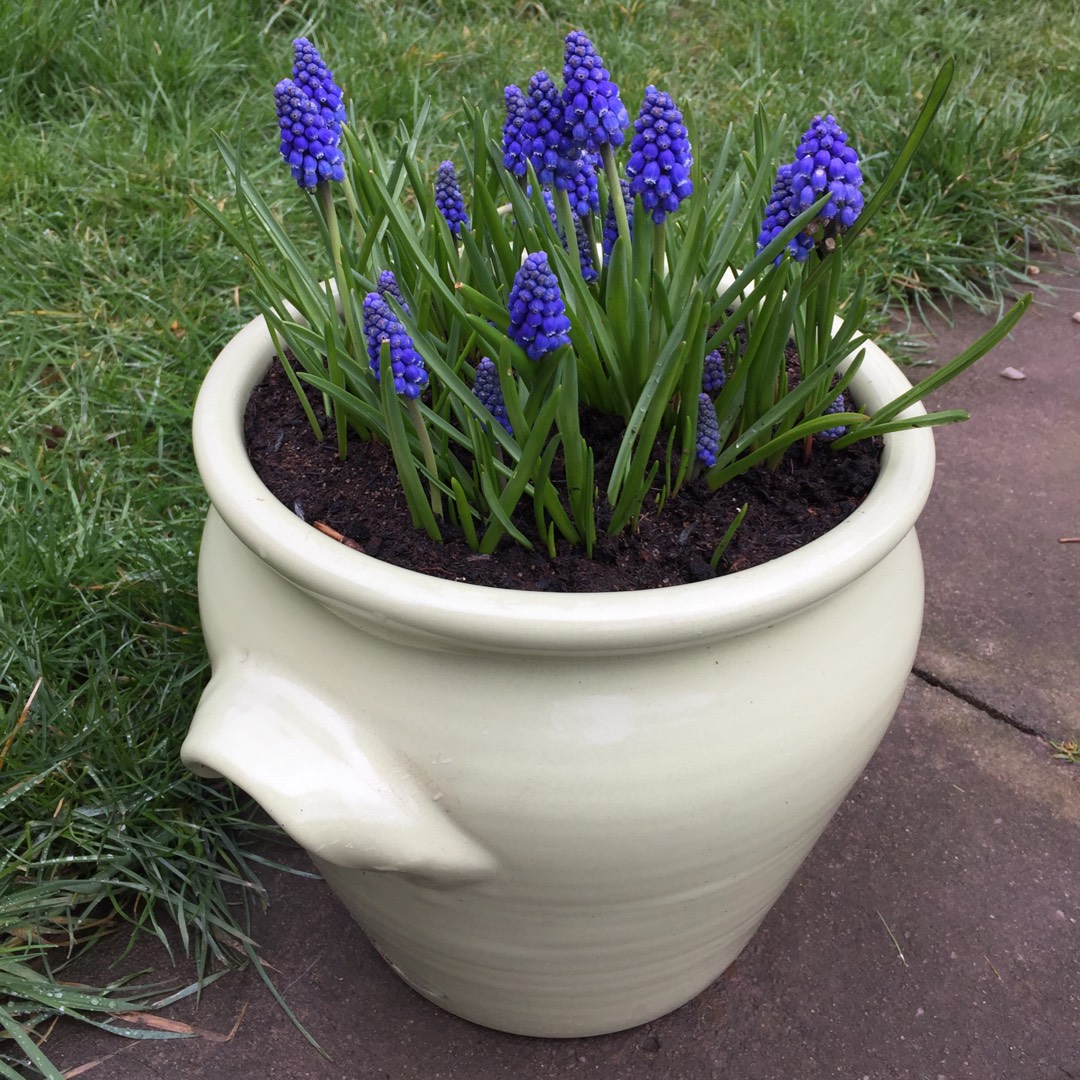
{"x":718,"y":476}
{"x":789,"y":405}
{"x":484,"y":306}
{"x":465,"y":514}
{"x":504,"y":505}
{"x":729,"y":535}
{"x":30,"y":1048}
{"x":405,"y":464}
{"x":911,"y":145}
{"x":969,"y":356}
{"x":749,"y":274}
{"x":627,"y":484}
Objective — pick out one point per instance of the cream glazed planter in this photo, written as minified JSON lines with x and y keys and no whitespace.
{"x":555,"y":815}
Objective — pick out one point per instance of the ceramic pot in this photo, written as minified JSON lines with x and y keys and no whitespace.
{"x":555,"y":815}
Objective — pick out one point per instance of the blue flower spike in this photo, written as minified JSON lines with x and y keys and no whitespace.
{"x":778,"y":214}
{"x":837,"y":406}
{"x":708,"y":432}
{"x":611,"y":226}
{"x":823,"y":163}
{"x":582,"y":188}
{"x":448,"y":198}
{"x":380,"y":324}
{"x":515,"y":151}
{"x":660,"y":156}
{"x":593,"y":113}
{"x":554,"y":157}
{"x":538,"y":321}
{"x":308,"y":144}
{"x":315,"y":79}
{"x":585,"y":252}
{"x":489,"y":393}
{"x":387,"y":286}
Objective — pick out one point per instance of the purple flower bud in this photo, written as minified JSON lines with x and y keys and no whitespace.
{"x":448,"y":198}
{"x":660,"y":156}
{"x":585,"y":251}
{"x":387,"y":286}
{"x":713,"y":375}
{"x":837,"y":406}
{"x":611,"y":224}
{"x":407,"y":366}
{"x":308,"y":145}
{"x":708,"y":432}
{"x":582,"y":188}
{"x":489,"y":393}
{"x":538,"y":321}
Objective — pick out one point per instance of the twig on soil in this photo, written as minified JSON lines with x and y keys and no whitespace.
{"x":341,"y":538}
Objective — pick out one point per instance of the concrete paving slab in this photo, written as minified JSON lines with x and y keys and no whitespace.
{"x":933,"y":933}
{"x":1002,"y":619}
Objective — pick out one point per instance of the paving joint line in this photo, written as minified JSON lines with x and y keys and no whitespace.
{"x":976,"y":702}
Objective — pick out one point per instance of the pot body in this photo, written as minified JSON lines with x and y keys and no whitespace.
{"x":553,"y":815}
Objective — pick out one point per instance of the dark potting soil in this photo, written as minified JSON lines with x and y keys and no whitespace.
{"x":361,"y":501}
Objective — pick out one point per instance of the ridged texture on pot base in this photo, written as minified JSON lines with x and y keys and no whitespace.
{"x":555,"y":820}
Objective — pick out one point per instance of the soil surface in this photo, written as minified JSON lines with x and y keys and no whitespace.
{"x":360,"y":500}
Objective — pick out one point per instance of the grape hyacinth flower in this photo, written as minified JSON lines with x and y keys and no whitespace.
{"x":387,"y":286}
{"x":823,"y":163}
{"x":778,"y":213}
{"x":611,"y":227}
{"x":315,"y":79}
{"x":515,"y":152}
{"x":448,"y":198}
{"x":824,"y":160}
{"x":538,"y":321}
{"x":713,"y":375}
{"x":585,"y":252}
{"x":593,"y":113}
{"x":708,"y":432}
{"x":555,"y":157}
{"x":660,"y":158}
{"x":541,"y":132}
{"x":380,"y":324}
{"x":837,"y":406}
{"x":308,"y":145}
{"x":489,"y":393}
{"x":582,"y":189}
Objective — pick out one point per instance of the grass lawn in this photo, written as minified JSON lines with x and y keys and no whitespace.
{"x":117,"y":292}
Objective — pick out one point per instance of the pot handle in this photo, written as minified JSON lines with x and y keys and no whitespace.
{"x":335,"y":788}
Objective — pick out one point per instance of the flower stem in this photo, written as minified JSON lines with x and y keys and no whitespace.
{"x":658,"y":266}
{"x":595,"y":249}
{"x":413,"y":407}
{"x":611,"y":172}
{"x":326,"y":204}
{"x":565,"y":214}
{"x":354,"y":211}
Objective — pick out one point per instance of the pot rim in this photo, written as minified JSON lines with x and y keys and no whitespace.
{"x":511,"y":620}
